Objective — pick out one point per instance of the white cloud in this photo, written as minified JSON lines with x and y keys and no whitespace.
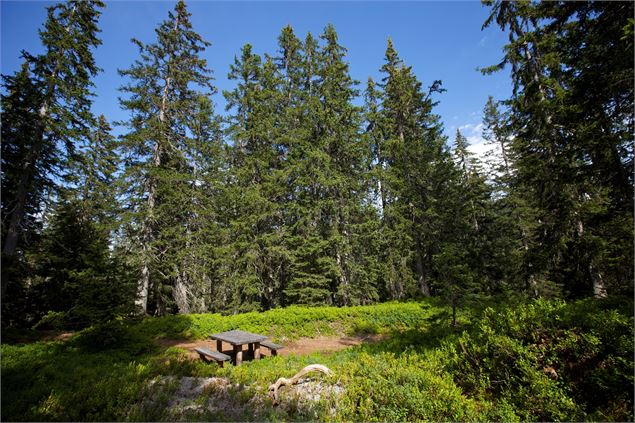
{"x":473,"y":132}
{"x":471,"y":129}
{"x":479,"y":148}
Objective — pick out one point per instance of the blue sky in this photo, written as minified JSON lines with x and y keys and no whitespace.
{"x":440,"y":40}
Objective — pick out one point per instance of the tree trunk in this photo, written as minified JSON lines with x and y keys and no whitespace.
{"x":148,"y":238}
{"x":181,"y":294}
{"x":26,"y":179}
{"x":599,"y":288}
{"x":423,"y":283}
{"x":453,"y":312}
{"x":13,"y":232}
{"x":148,"y":224}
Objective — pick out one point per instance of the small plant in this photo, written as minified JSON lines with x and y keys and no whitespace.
{"x":542,"y":360}
{"x":55,"y":320}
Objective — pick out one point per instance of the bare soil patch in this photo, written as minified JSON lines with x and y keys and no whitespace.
{"x":302,"y":346}
{"x":52,"y":335}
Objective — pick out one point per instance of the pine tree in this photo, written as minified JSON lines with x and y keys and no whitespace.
{"x":77,"y":271}
{"x":463,"y":260}
{"x":374,"y":141}
{"x":326,"y":170}
{"x":165,"y":91}
{"x":199,"y":259}
{"x":74,"y":271}
{"x":57,"y":103}
{"x":514,"y":217}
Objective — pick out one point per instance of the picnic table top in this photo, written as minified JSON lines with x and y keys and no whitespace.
{"x":238,"y":337}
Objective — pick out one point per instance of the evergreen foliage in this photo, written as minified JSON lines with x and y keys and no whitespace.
{"x":571,"y":117}
{"x":299,"y":195}
{"x":75,"y":273}
{"x":45,"y":114}
{"x":413,"y":164}
{"x":172,"y":156}
{"x":259,"y":259}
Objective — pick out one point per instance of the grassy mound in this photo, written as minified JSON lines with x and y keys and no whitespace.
{"x":545,"y":360}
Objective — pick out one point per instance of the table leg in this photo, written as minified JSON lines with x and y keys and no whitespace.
{"x":219,"y":345}
{"x":256,"y":350}
{"x":238,"y":353}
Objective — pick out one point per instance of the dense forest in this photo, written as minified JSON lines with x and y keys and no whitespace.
{"x":312,"y":188}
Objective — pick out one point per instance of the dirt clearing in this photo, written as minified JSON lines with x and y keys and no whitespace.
{"x":302,"y":346}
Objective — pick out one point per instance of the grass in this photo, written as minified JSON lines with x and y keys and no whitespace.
{"x":296,"y":322}
{"x":492,"y":367}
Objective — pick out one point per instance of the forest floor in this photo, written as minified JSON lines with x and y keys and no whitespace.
{"x":390,"y":362}
{"x":302,"y":346}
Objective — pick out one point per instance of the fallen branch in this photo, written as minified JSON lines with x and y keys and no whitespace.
{"x":273,"y":388}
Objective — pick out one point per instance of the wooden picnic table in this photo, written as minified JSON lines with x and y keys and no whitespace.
{"x":238,"y":338}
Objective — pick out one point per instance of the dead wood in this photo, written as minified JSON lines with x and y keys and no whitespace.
{"x":273,"y":388}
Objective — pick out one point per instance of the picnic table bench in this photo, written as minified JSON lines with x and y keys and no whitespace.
{"x":217,"y":356}
{"x":271,"y":347}
{"x":238,"y":338}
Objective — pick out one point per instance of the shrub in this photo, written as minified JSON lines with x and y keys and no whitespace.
{"x":544,"y":360}
{"x":550,"y":360}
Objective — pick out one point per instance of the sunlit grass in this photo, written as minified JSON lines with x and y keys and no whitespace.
{"x":491,"y":367}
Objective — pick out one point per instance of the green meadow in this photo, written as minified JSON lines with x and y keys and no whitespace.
{"x":530,"y":361}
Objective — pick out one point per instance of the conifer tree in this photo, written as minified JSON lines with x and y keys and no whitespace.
{"x":561,"y":160}
{"x":349,"y":215}
{"x":374,"y":142}
{"x":19,"y":107}
{"x":199,"y":260}
{"x":57,"y":105}
{"x":326,"y":169}
{"x":313,"y":269}
{"x":75,"y":272}
{"x":463,"y":260}
{"x":258,"y":254}
{"x":416,"y":164}
{"x":165,"y":100}
{"x":514,"y":218}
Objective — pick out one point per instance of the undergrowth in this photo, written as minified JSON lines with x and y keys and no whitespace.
{"x":541,"y":361}
{"x":295,"y":322}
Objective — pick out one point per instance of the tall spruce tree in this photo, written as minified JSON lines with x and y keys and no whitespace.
{"x":76,"y":272}
{"x":416,"y":164}
{"x":313,"y":268}
{"x":325,"y":166}
{"x":348,"y":214}
{"x":514,"y":218}
{"x":53,"y":91}
{"x":166,"y":133}
{"x":572,"y":159}
{"x":258,"y":256}
{"x":463,"y":259}
{"x":199,"y":259}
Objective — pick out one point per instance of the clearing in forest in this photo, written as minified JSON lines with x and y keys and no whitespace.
{"x":302,"y":346}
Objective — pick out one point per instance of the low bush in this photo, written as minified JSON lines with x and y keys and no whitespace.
{"x":544,"y":360}
{"x":295,"y":322}
{"x":551,"y":360}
